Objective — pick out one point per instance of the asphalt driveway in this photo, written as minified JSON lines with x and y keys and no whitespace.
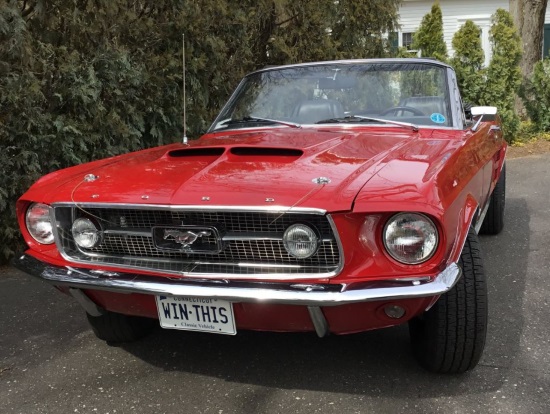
{"x":50,"y":361}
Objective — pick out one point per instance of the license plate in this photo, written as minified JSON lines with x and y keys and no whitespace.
{"x":196,"y":314}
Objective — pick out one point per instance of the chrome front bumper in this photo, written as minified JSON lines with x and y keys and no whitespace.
{"x":288,"y":293}
{"x":314,"y":296}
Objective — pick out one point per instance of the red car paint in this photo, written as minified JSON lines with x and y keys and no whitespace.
{"x":375,"y":171}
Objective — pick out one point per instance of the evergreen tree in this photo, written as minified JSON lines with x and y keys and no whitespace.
{"x":429,"y":36}
{"x":536,"y":95}
{"x":468,"y":61}
{"x":359,"y":27}
{"x":503,"y":73}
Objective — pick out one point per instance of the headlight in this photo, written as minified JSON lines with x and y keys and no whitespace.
{"x":39,"y":224}
{"x":410,"y":238}
{"x":300,"y":241}
{"x":86,"y":233}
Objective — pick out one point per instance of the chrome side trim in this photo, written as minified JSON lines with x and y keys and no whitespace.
{"x":319,"y":321}
{"x":481,"y":217}
{"x":155,"y":285}
{"x":249,"y":209}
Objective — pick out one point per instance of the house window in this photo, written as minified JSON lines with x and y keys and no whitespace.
{"x":407,"y":39}
{"x":546,"y":48}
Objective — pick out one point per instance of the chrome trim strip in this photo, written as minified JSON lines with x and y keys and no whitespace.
{"x":231,"y":236}
{"x":481,"y":217}
{"x":191,"y":273}
{"x":236,"y":236}
{"x":456,"y":109}
{"x":332,"y":125}
{"x":154,"y":285}
{"x":319,"y":321}
{"x":267,"y":265}
{"x":129,"y":232}
{"x":236,"y":209}
{"x":245,"y":264}
{"x":354,"y":62}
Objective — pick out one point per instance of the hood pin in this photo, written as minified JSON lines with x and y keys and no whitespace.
{"x":90,"y":177}
{"x":321,"y":180}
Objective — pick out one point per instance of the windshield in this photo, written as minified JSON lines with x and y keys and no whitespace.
{"x":407,"y":92}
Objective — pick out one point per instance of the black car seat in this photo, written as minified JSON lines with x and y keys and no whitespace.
{"x":427,"y":104}
{"x":314,"y":110}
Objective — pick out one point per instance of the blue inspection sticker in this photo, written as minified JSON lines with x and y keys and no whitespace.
{"x":437,"y":118}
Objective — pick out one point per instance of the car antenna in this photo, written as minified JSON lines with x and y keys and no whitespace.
{"x":183,"y":80}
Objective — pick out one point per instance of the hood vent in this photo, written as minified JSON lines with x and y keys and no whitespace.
{"x":265,"y":154}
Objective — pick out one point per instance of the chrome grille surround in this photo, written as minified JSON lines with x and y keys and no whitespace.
{"x":251,"y":237}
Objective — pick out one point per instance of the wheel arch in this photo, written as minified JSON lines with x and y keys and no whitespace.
{"x":468,"y":213}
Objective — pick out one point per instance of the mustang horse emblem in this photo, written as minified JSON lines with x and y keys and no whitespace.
{"x":185,"y":238}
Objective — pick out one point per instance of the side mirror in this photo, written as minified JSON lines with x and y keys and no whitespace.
{"x":485,"y":113}
{"x":483,"y":110}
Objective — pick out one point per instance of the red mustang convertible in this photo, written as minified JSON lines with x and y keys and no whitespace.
{"x":331,"y":197}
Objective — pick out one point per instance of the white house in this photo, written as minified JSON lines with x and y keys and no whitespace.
{"x":455,"y":14}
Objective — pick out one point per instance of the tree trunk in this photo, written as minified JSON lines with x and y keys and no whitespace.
{"x":529,"y":20}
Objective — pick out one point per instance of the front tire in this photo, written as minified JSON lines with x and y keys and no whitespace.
{"x":494,"y":219}
{"x":116,"y":328}
{"x":450,"y":337}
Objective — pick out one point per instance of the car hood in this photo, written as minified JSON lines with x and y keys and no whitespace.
{"x":316,"y":168}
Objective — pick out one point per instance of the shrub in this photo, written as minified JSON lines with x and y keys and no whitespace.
{"x":537,"y":96}
{"x":503,"y":73}
{"x":468,"y":61}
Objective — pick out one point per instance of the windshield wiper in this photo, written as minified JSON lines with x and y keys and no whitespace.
{"x":247,"y":119}
{"x":359,"y":118}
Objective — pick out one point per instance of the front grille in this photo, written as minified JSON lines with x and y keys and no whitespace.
{"x":249,"y":243}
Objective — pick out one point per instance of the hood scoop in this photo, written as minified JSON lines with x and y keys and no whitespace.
{"x":197,"y":154}
{"x":264,"y":154}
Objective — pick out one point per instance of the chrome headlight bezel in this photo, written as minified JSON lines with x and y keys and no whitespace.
{"x":39,"y":224}
{"x":86,"y":232}
{"x":301,"y":249}
{"x":417,"y":225}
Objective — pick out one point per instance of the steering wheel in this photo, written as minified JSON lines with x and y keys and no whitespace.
{"x":395,"y":109}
